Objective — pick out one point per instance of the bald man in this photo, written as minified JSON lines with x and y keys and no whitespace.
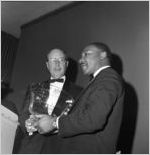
{"x":57,"y":63}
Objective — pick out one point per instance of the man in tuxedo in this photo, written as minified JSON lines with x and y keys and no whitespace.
{"x":57,"y":63}
{"x":93,"y":124}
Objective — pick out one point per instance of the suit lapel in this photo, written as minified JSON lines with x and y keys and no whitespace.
{"x":61,"y":104}
{"x":46,"y":84}
{"x":91,"y":82}
{"x":86,"y":89}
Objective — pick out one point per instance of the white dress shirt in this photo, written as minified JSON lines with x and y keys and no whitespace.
{"x":99,"y":70}
{"x":54,"y":93}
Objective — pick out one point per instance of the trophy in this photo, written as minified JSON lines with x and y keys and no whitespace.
{"x":39,"y":104}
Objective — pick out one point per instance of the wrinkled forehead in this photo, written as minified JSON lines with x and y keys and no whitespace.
{"x":56,"y":53}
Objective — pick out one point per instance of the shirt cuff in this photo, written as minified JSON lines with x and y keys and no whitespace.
{"x":57,"y":125}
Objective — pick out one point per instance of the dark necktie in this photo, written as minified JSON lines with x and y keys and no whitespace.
{"x":56,"y":80}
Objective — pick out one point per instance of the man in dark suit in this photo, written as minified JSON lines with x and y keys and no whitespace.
{"x":93,"y":125}
{"x":60,"y":91}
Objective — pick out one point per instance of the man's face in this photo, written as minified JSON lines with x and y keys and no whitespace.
{"x":90,"y":59}
{"x":56,"y":63}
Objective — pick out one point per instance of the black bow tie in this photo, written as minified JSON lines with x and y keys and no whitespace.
{"x":56,"y":80}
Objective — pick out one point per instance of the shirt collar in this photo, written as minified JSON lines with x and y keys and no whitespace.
{"x":99,"y":70}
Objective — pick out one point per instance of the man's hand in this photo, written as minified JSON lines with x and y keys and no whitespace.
{"x":45,"y":123}
{"x":30,"y":124}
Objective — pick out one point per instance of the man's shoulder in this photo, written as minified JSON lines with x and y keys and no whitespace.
{"x":108,"y":72}
{"x":37,"y":85}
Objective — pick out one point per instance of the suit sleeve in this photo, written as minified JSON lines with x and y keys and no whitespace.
{"x":91,"y":114}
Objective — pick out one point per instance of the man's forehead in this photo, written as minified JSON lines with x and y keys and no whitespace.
{"x":90,"y":49}
{"x":56,"y":53}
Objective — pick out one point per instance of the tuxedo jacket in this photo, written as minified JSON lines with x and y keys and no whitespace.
{"x":93,"y":125}
{"x":37,"y":143}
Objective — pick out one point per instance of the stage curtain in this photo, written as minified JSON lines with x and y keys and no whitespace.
{"x":9,"y":45}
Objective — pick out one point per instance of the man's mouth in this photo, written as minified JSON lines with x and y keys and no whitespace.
{"x":84,"y":66}
{"x":57,"y":69}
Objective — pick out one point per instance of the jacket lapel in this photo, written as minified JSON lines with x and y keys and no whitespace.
{"x":91,"y":82}
{"x":46,"y":84}
{"x":85,"y":90}
{"x":61,"y":103}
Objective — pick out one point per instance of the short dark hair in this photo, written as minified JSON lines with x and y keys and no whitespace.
{"x":103,"y":47}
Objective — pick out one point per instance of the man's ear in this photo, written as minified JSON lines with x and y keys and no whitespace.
{"x":47,"y":64}
{"x":103,"y":55}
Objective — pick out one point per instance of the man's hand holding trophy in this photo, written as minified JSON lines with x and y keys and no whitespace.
{"x":39,"y":119}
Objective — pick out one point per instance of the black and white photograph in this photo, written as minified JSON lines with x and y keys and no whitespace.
{"x":74,"y":77}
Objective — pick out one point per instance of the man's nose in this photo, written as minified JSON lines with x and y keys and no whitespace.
{"x":57,"y":63}
{"x":81,"y":60}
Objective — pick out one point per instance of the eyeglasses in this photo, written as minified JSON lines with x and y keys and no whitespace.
{"x":57,"y":60}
